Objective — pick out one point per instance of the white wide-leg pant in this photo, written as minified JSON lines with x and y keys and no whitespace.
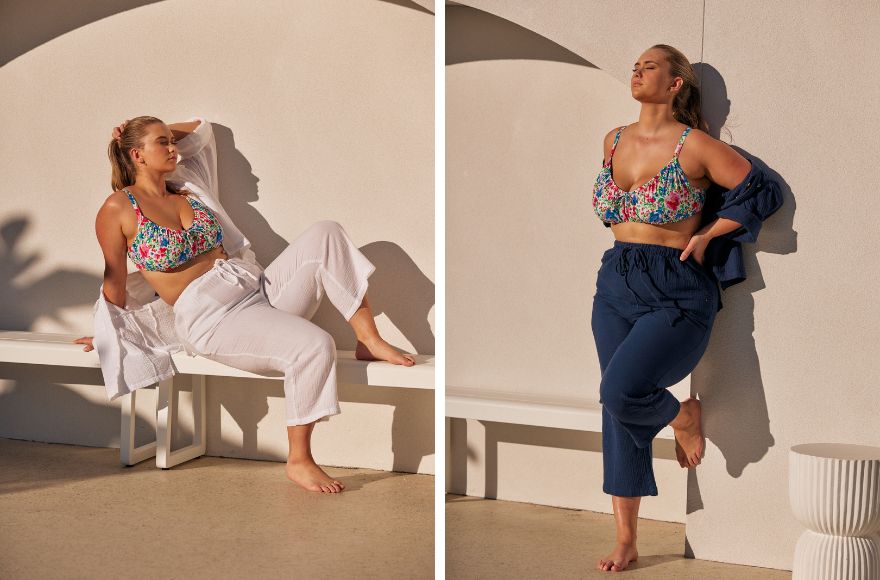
{"x":259,"y":321}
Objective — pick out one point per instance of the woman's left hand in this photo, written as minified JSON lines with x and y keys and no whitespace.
{"x":697,"y":247}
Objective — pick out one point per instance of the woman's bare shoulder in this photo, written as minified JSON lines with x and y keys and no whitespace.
{"x":116,"y":200}
{"x":115,"y":206}
{"x":608,"y":141}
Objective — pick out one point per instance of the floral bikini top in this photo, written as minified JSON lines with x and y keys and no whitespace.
{"x":158,"y":248}
{"x":668,"y":197}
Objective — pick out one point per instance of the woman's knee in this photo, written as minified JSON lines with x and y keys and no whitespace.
{"x":326,"y":228}
{"x":323,"y":343}
{"x":611,"y":396}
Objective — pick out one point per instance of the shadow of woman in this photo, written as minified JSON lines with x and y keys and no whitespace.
{"x":398,"y":289}
{"x":728,"y":378}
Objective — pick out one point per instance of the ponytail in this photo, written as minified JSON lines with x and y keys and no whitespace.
{"x":123,"y":170}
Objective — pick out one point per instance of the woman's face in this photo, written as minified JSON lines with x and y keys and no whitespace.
{"x":651,"y":81}
{"x":159,"y":151}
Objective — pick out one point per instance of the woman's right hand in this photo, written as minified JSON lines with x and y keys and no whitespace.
{"x":86,"y":340}
{"x":117,"y":131}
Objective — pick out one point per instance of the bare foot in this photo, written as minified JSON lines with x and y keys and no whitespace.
{"x":690,"y":438}
{"x":308,"y":475}
{"x":680,"y":454}
{"x":378,"y":349}
{"x":619,"y":558}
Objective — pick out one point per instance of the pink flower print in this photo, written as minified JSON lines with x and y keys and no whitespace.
{"x":672,"y":201}
{"x":144,"y":251}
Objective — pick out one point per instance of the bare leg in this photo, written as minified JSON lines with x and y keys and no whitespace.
{"x":626,"y":516}
{"x":301,"y":467}
{"x":370,"y":345}
{"x":689,"y":440}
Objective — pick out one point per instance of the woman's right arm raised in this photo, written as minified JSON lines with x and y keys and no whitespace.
{"x":108,"y":227}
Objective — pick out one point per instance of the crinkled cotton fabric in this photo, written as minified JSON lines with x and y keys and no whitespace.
{"x":258,"y":321}
{"x":652,"y":318}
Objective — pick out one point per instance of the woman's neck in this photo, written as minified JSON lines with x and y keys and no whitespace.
{"x":654,"y":118}
{"x":152,"y":185}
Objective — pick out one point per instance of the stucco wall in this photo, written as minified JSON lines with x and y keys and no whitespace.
{"x":321,"y":109}
{"x":793,"y":354}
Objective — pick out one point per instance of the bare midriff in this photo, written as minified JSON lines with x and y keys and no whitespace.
{"x":675,"y":235}
{"x":170,"y":285}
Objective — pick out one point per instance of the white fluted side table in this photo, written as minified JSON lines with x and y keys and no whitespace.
{"x":834,"y":489}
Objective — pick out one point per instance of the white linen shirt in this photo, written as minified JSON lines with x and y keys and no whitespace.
{"x":135,"y":343}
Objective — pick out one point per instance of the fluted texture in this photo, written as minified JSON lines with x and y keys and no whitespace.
{"x":838,"y":500}
{"x":840,"y":497}
{"x":824,"y":557}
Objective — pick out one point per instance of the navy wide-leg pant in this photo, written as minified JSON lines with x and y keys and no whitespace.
{"x":652,"y":317}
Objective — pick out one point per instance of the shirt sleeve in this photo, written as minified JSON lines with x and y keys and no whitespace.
{"x":750,"y":203}
{"x":198,"y":157}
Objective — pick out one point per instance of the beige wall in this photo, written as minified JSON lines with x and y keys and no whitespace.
{"x":793,"y":354}
{"x":321,"y":109}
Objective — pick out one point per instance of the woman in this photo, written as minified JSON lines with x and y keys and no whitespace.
{"x":165,"y":216}
{"x":657,"y":289}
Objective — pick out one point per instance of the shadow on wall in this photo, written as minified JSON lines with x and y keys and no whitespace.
{"x":728,"y":378}
{"x":397,"y":287}
{"x":412,"y":5}
{"x":472,"y":35}
{"x":27,"y":24}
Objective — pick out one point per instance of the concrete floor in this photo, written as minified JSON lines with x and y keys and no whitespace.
{"x":501,"y":539}
{"x":72,"y":512}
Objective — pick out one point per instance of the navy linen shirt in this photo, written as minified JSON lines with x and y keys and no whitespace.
{"x":749,"y":203}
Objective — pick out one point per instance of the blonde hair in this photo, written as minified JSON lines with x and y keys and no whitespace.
{"x":123,"y":170}
{"x":686,"y":108}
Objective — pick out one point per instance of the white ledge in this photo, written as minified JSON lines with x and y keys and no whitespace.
{"x":60,"y":350}
{"x":522,"y":409}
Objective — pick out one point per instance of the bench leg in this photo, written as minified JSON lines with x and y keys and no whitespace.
{"x":165,"y":458}
{"x":128,"y":453}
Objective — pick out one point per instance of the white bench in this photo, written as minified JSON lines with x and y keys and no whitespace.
{"x":59,"y":350}
{"x":544,"y":411}
{"x":520,"y":409}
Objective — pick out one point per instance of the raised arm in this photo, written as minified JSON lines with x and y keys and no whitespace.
{"x":181,"y":130}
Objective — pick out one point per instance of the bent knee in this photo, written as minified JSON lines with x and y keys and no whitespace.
{"x":326,"y":228}
{"x":324,"y":343}
{"x":611,"y":396}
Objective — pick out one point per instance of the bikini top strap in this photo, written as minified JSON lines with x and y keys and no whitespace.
{"x":134,"y":202}
{"x":616,"y":139}
{"x":681,"y":141}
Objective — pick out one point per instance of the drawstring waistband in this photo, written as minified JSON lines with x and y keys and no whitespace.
{"x":640,"y":261}
{"x":229,"y":271}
